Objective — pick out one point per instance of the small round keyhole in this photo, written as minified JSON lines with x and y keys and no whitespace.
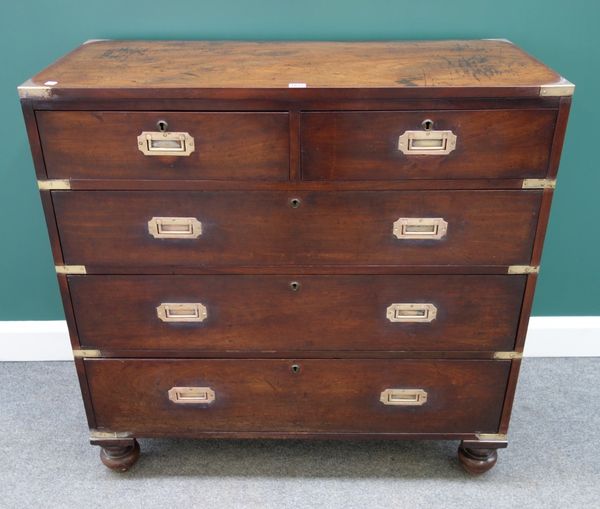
{"x":162,"y":126}
{"x":295,"y":368}
{"x":295,"y":203}
{"x":294,"y":286}
{"x":427,"y":124}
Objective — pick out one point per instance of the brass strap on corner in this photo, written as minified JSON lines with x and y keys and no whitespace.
{"x":29,"y":90}
{"x":70,"y":269}
{"x":523,"y":269}
{"x":54,"y":184}
{"x":562,"y":88}
{"x":82,"y":354}
{"x":508,"y":356}
{"x":109,"y":435}
{"x":538,"y":184}
{"x":492,"y":437}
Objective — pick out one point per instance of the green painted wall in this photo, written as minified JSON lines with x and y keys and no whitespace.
{"x":35,"y":33}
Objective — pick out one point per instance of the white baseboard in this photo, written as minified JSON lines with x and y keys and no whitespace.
{"x":35,"y":341}
{"x":563,"y":336}
{"x":548,"y":336}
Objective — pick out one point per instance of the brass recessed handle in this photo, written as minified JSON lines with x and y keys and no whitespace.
{"x":174,"y":227}
{"x":163,"y":143}
{"x":403,"y":397}
{"x":182,"y":312}
{"x":191,"y":395}
{"x":411,"y":312}
{"x":432,"y":228}
{"x":427,"y":142}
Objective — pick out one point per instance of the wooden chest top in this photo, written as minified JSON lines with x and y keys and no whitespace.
{"x":168,"y":69}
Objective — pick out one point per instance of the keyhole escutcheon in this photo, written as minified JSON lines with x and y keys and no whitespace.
{"x":427,"y":124}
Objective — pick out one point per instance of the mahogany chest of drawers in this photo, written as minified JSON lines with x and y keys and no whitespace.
{"x":316,"y":240}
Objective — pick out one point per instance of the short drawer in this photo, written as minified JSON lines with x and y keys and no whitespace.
{"x":235,"y":228}
{"x":374,"y":396}
{"x":196,"y":145}
{"x":426,"y":144}
{"x":286,"y":313}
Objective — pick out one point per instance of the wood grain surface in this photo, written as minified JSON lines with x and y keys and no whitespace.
{"x":364,"y":145}
{"x":161,"y":65}
{"x":261,"y":228}
{"x":321,"y":313}
{"x":102,"y":144}
{"x":340,"y":395}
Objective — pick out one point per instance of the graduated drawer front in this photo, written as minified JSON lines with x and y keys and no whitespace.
{"x":308,"y":313}
{"x":365,"y":145}
{"x":322,"y":396}
{"x":104,"y":144}
{"x":262,"y":229}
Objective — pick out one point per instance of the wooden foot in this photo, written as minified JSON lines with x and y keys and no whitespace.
{"x":476,"y":461}
{"x":120,"y":457}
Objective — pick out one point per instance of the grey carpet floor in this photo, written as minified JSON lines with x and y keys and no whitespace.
{"x":553,"y":458}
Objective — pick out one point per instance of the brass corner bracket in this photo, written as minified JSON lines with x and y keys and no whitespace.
{"x":109,"y":435}
{"x":561,"y":88}
{"x":508,"y":355}
{"x":92,"y":41}
{"x":55,"y":184}
{"x":523,"y":269}
{"x":81,"y":354}
{"x":70,"y":269}
{"x":538,"y":184}
{"x":30,"y":91}
{"x":492,"y":437}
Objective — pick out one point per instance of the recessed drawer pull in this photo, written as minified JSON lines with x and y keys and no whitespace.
{"x":157,"y":143}
{"x":427,"y":142}
{"x":432,"y":228}
{"x":181,"y":312}
{"x":191,"y":395}
{"x":174,"y":227}
{"x":411,"y":312}
{"x":404,"y":397}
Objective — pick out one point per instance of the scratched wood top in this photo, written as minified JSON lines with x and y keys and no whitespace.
{"x":135,"y":67}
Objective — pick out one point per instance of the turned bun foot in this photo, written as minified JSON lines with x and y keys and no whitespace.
{"x":477,"y":461}
{"x":120,"y":457}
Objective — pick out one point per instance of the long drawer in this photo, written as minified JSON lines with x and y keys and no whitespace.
{"x":279,"y":228}
{"x":195,"y":145}
{"x":426,"y":144}
{"x":375,"y":396}
{"x":283,"y":313}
